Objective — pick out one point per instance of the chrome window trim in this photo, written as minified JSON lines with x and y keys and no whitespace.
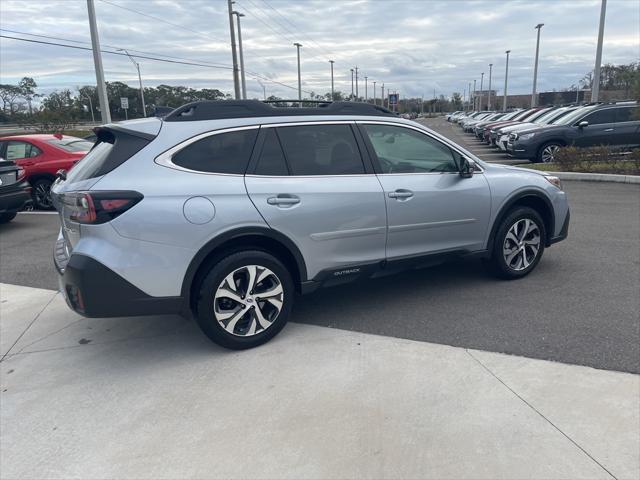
{"x":165,"y":159}
{"x":430,"y":135}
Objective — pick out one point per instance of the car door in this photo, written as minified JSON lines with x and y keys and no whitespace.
{"x":627,"y":129}
{"x":309,"y":182}
{"x":430,"y":207}
{"x":599,"y":131}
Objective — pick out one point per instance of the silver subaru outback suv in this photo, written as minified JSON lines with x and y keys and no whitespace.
{"x":229,"y":209}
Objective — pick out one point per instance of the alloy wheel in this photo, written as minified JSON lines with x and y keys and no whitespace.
{"x":521,"y":244}
{"x":248,"y":300}
{"x":549,"y":152}
{"x":42,"y":192}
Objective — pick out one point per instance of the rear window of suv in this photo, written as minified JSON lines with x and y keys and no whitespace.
{"x":219,"y":153}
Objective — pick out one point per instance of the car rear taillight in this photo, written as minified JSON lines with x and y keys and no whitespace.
{"x":98,"y":207}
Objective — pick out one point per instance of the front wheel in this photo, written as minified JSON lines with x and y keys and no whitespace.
{"x":548,"y":152}
{"x":518,"y":244}
{"x":245,"y":299}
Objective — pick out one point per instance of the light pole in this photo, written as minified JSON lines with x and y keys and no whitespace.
{"x":374,"y":92}
{"x":332,"y":94}
{"x":489,"y":99}
{"x":298,"y":45}
{"x":366,"y":96}
{"x":357,"y":83}
{"x":506,"y":76}
{"x":93,"y":117}
{"x":352,"y":84}
{"x":234,"y":55}
{"x":535,"y":67}
{"x":595,"y":90}
{"x":137,"y":65}
{"x":244,"y":83}
{"x":469,"y":102}
{"x":382,"y":95}
{"x":97,"y":61}
{"x":480,"y":96}
{"x":264,"y":90}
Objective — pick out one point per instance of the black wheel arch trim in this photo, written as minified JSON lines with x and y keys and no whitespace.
{"x":238,"y":233}
{"x":508,"y":205}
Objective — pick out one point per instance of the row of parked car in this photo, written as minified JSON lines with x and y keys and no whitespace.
{"x":538,"y":133}
{"x":29,"y":165}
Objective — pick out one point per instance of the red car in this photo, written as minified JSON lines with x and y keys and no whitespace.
{"x":42,"y":156}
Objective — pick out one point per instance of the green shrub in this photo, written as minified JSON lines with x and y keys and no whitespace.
{"x":600,"y":159}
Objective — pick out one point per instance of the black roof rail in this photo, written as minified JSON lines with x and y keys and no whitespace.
{"x":216,"y":110}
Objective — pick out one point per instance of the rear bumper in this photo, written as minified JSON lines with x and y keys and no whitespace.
{"x":94,"y":290}
{"x":14,"y":197}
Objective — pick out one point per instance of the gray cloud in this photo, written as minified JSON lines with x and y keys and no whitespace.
{"x":412,"y":46}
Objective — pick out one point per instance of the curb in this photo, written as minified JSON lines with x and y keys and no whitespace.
{"x":596,"y":177}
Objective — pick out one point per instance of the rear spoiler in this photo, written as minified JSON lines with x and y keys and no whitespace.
{"x":114,"y":128}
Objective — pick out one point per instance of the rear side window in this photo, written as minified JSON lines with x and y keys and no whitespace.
{"x":627,"y":114}
{"x":222,"y":153}
{"x":112,"y":149}
{"x":321,"y":150}
{"x":17,"y":150}
{"x":601,"y":116}
{"x":271,"y":161}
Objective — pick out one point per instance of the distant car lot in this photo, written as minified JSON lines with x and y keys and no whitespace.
{"x":579,"y":307}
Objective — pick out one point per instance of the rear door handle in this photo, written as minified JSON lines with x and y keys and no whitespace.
{"x":283,"y":200}
{"x":401,"y":194}
{"x":608,"y":130}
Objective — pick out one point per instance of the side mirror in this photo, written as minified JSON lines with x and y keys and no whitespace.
{"x":466,"y":167}
{"x":583,"y":124}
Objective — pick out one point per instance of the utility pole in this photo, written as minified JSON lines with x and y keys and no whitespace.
{"x":535,"y":68}
{"x":366,"y":96}
{"x":298,"y":45}
{"x":234,"y":55}
{"x":382,"y":95}
{"x":97,"y":61}
{"x":506,"y":76}
{"x":469,"y":102}
{"x":357,"y":83}
{"x":352,"y":84}
{"x":480,"y":96}
{"x":474,"y":95}
{"x":244,"y":83}
{"x":374,"y":93}
{"x":137,"y":65}
{"x":332,"y":94}
{"x":489,"y":99}
{"x":595,"y":90}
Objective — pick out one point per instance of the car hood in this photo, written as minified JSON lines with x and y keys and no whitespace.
{"x":540,"y":128}
{"x":516,"y":127}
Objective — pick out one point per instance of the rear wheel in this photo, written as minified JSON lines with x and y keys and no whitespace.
{"x":245,"y":299}
{"x":518,"y":244}
{"x":7,"y":217}
{"x":548,"y":151}
{"x":41,"y":194}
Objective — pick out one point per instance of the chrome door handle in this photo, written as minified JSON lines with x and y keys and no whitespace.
{"x":401,"y":194}
{"x":608,"y":130}
{"x":282,"y":200}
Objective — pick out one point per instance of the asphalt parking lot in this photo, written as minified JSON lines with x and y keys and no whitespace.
{"x":579,"y":306}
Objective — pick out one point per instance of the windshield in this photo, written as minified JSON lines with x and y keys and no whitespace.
{"x":567,"y":119}
{"x":510,"y":115}
{"x":550,"y":115}
{"x":71,"y":144}
{"x":555,"y":118}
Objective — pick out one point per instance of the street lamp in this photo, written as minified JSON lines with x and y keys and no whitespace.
{"x":366,"y":99}
{"x":298,"y":45}
{"x":480,"y":96}
{"x":332,"y":94}
{"x":595,"y":91}
{"x":506,"y":76}
{"x":352,"y":84}
{"x":264,"y":89}
{"x":243,"y":82}
{"x":474,"y":95}
{"x":374,"y":93}
{"x":535,"y":68}
{"x":137,"y":65}
{"x":489,"y":99}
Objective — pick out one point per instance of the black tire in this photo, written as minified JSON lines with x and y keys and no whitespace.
{"x":206,"y":309}
{"x":540,"y":157}
{"x":498,"y":263}
{"x":7,"y":217}
{"x":41,"y":194}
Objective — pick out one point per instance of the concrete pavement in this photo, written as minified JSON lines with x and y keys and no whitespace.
{"x":151,"y":397}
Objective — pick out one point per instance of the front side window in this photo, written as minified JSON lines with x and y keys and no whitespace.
{"x":403,"y":150}
{"x":321,"y":150}
{"x":18,"y":150}
{"x":221,"y":153}
{"x":600,"y":116}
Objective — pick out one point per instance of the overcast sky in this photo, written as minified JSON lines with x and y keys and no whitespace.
{"x":414,"y":46}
